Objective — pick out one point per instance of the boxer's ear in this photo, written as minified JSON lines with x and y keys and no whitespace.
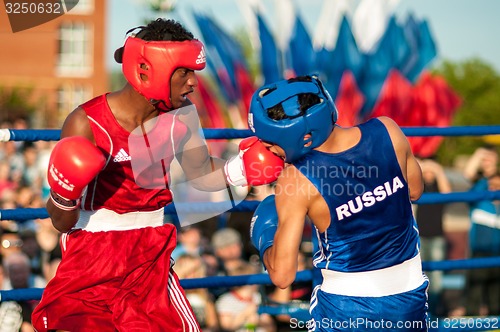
{"x":307,"y":140}
{"x":119,"y":55}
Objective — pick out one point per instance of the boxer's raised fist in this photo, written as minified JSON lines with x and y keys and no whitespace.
{"x":254,"y":165}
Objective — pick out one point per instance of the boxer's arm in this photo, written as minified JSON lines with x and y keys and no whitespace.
{"x":292,"y":205}
{"x":253,"y":165}
{"x":414,"y":174}
{"x":409,"y":165}
{"x":204,"y":171}
{"x":76,"y":124}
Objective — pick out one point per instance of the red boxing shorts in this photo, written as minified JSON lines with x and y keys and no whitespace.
{"x":116,"y":281}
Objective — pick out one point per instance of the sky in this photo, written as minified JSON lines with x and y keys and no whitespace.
{"x":462,"y":28}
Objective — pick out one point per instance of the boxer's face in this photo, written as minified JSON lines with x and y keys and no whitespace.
{"x":182,"y":83}
{"x":277,"y":150}
{"x":274,"y":149}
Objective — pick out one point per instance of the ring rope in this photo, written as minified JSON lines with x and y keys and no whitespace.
{"x":263,"y":278}
{"x":228,"y":133}
{"x":24,"y":214}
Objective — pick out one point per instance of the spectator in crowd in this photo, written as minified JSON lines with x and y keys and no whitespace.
{"x":228,"y":251}
{"x":481,"y":170}
{"x":11,"y":317}
{"x":10,"y":228}
{"x":20,"y":123}
{"x":192,"y":266}
{"x":482,"y":164}
{"x":238,"y":308}
{"x":189,"y":241}
{"x":32,"y":249}
{"x":227,"y":246}
{"x":15,"y":160}
{"x":51,"y":263}
{"x":31,"y":176}
{"x":430,"y":224}
{"x":24,"y":197}
{"x":6,"y":182}
{"x":47,"y":236}
{"x":27,"y":198}
{"x":8,"y":200}
{"x":44,"y":148}
{"x":483,"y":285}
{"x":18,"y":271}
{"x":192,"y":241}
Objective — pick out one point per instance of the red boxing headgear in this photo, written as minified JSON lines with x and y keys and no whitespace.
{"x":148,"y":65}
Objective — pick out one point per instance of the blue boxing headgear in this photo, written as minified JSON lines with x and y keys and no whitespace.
{"x":288,"y":133}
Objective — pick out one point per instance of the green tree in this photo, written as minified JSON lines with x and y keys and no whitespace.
{"x":242,"y":36}
{"x":477,"y":83}
{"x":16,"y":103}
{"x":116,"y":79}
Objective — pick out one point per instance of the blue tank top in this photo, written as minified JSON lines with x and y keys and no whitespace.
{"x":372,"y":224}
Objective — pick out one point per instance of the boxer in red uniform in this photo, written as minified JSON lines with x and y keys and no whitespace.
{"x":116,"y":273}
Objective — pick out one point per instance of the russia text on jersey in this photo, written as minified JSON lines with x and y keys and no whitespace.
{"x":369,"y":198}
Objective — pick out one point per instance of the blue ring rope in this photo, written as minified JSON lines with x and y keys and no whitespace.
{"x":228,"y":133}
{"x":263,"y":279}
{"x":35,"y":134}
{"x":461,"y":264}
{"x":23,"y":214}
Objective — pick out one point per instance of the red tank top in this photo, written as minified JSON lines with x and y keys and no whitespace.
{"x":136,"y":174}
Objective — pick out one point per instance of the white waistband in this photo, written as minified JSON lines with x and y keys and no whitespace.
{"x":107,"y":220}
{"x":392,"y":280}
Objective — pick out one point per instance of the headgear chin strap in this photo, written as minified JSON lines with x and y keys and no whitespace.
{"x":288,"y":133}
{"x":148,"y":65}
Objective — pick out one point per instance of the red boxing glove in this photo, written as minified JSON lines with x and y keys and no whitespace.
{"x":73,"y":163}
{"x":255,"y":165}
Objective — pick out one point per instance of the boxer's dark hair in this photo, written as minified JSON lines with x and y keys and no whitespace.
{"x":157,"y":30}
{"x":306,"y":100}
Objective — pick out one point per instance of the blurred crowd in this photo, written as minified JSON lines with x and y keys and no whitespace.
{"x":220,"y":246}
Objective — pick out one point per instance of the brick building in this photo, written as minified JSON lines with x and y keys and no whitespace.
{"x":61,"y":62}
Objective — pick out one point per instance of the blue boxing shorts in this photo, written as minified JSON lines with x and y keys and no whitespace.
{"x":383,"y":300}
{"x":401,"y":312}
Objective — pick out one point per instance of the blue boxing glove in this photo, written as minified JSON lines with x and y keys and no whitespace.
{"x":264,"y":225}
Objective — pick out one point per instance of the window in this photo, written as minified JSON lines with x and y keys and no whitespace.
{"x":75,"y":50}
{"x":78,"y":7}
{"x":69,"y":96}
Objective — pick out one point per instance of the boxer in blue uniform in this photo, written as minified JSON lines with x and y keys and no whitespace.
{"x":356,"y":185}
